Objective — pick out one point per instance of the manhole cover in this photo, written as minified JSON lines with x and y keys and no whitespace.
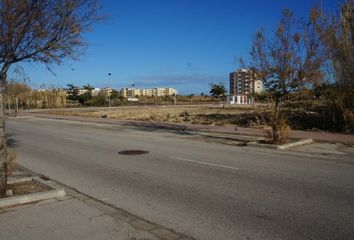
{"x":133,"y":152}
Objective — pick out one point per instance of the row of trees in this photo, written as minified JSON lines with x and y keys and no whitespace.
{"x":101,"y":98}
{"x":88,"y":98}
{"x":20,"y":95}
{"x":301,"y":54}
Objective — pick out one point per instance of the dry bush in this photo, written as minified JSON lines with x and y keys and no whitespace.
{"x":283,"y":132}
{"x":349,"y":119}
{"x":7,"y":168}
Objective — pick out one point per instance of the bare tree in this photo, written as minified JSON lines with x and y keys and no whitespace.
{"x":337,"y":34}
{"x":44,"y":31}
{"x":287,"y":62}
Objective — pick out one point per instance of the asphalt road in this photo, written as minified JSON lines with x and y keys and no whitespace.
{"x":206,"y":190}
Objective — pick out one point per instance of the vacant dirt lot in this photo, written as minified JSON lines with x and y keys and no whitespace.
{"x":229,"y":116}
{"x":301,"y":116}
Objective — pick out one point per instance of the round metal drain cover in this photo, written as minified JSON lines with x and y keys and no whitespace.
{"x":133,"y":152}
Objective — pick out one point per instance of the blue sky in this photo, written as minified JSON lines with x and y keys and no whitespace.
{"x":185,"y":44}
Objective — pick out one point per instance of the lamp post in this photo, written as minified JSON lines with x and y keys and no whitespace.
{"x":109,"y":94}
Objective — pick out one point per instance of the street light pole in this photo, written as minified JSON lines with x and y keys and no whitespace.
{"x":109,"y":94}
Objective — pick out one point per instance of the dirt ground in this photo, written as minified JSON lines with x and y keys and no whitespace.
{"x":300,"y":116}
{"x":229,"y":116}
{"x":27,"y":187}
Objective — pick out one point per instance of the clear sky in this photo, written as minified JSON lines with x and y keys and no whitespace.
{"x":185,"y":44}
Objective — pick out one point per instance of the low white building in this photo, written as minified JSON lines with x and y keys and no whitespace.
{"x":240,"y":99}
{"x":95,"y":91}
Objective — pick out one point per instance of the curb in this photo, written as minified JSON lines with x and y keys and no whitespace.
{"x":297,"y":143}
{"x":33,"y":197}
{"x":21,"y":117}
{"x":282,"y":147}
{"x":21,"y":180}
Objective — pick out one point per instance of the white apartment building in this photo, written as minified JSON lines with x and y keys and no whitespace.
{"x":159,"y":92}
{"x":243,"y":83}
{"x":107,"y":90}
{"x":130,"y":92}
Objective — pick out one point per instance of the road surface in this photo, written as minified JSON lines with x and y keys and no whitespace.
{"x":206,"y":190}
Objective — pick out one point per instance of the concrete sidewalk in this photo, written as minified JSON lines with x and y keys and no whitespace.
{"x":68,"y":219}
{"x":317,"y":136}
{"x":77,"y":216}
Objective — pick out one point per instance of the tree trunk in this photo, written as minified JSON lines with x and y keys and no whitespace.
{"x":3,"y":144}
{"x":16,"y":100}
{"x":275,"y":120}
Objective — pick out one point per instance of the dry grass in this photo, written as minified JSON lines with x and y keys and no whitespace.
{"x":283,"y":132}
{"x":300,"y":115}
{"x":232,"y":116}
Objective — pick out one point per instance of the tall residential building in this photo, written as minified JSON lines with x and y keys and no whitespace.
{"x":243,"y":83}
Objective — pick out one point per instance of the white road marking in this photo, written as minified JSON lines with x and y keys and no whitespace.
{"x":204,"y":163}
{"x":75,"y":140}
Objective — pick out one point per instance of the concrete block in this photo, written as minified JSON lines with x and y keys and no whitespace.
{"x":283,"y":146}
{"x":28,"y":198}
{"x":19,"y":180}
{"x":297,"y":143}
